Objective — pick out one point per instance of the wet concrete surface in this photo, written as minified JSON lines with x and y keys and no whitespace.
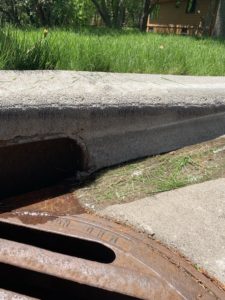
{"x":40,"y":206}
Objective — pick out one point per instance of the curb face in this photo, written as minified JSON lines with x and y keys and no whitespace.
{"x":112,"y":117}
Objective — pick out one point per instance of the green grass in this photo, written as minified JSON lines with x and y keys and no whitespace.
{"x":114,"y":51}
{"x":143,"y":178}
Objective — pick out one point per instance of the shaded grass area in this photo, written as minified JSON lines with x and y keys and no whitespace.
{"x":110,"y":50}
{"x":21,"y":51}
{"x":139,"y":179}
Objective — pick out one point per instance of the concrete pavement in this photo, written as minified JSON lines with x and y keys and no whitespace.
{"x":190,"y":219}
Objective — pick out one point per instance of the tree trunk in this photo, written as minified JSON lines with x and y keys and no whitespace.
{"x":219,"y":27}
{"x":144,"y":18}
{"x":209,"y":19}
{"x":14,"y":13}
{"x":118,"y":13}
{"x":102,"y":10}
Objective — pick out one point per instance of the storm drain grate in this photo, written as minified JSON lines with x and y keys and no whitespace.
{"x":45,"y":254}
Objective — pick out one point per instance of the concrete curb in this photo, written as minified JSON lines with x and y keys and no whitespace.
{"x":113,"y":117}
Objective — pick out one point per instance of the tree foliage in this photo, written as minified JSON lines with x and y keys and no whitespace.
{"x":113,"y":13}
{"x":46,"y":12}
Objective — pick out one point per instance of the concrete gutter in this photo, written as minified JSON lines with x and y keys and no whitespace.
{"x":114,"y":117}
{"x":189,"y":219}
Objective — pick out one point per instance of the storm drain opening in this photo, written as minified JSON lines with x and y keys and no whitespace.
{"x":30,"y":166}
{"x":67,"y":245}
{"x":43,"y":286}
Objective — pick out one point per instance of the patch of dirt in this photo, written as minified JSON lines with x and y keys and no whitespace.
{"x":138,"y":179}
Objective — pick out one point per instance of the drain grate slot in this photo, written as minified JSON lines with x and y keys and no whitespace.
{"x":58,"y":243}
{"x":42,"y":286}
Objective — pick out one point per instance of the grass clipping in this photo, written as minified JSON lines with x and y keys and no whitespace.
{"x":139,"y":179}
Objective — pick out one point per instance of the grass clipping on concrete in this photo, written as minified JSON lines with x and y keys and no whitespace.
{"x":139,"y":179}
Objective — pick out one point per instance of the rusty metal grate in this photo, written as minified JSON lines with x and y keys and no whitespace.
{"x":52,"y":253}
